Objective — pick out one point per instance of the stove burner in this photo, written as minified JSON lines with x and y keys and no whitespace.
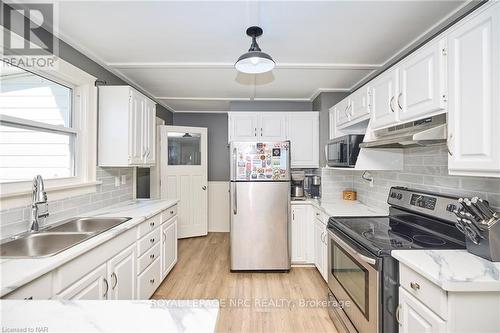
{"x":429,"y":240}
{"x":392,"y":238}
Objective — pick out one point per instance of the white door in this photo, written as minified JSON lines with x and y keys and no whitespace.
{"x":422,"y":82}
{"x":303,"y":133}
{"x":168,"y":246}
{"x":92,"y":286}
{"x":243,"y":126}
{"x":272,"y":126}
{"x":474,"y":95}
{"x":184,"y":176}
{"x":342,"y":112}
{"x":299,"y":234}
{"x":359,"y":103}
{"x":136,"y":121}
{"x":383,"y":93}
{"x":122,"y":274}
{"x":415,"y":317}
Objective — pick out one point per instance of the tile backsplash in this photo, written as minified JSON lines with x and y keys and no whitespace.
{"x":425,"y":168}
{"x":16,"y":220}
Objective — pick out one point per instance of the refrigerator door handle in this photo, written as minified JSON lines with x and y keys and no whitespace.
{"x":235,"y":198}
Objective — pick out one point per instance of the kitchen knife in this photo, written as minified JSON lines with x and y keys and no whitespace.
{"x":482,"y":207}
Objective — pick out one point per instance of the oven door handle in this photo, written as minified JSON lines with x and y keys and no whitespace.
{"x":364,"y":258}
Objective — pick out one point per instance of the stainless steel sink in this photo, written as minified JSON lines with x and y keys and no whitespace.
{"x":88,"y":224}
{"x":52,"y":240}
{"x":41,"y":244}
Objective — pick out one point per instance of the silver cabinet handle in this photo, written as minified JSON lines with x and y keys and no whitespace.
{"x":114,"y":277}
{"x":448,"y":144}
{"x":107,"y":288}
{"x":152,"y":281}
{"x":398,"y":309}
{"x":151,"y":224}
{"x":399,"y":101}
{"x":28,"y":298}
{"x":152,"y":240}
{"x":414,"y":286}
{"x":152,"y":256}
{"x":261,"y":131}
{"x":255,"y":131}
{"x":204,"y":188}
{"x":390,"y":104}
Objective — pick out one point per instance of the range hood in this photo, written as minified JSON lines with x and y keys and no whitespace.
{"x":423,"y":132}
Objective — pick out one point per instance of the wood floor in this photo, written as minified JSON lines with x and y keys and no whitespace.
{"x":202,"y":272}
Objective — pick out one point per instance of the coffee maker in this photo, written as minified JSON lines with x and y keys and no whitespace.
{"x":297,"y":189}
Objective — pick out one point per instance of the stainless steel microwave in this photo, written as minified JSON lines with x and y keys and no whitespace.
{"x":343,"y":151}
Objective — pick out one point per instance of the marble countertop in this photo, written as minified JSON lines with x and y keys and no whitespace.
{"x":343,"y":208}
{"x":17,"y":272}
{"x":110,"y":316}
{"x":453,"y":270}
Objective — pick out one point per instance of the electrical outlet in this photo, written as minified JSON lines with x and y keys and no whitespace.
{"x":124,"y":179}
{"x":117,"y":181}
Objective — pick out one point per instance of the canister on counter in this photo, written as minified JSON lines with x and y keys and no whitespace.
{"x":349,"y":195}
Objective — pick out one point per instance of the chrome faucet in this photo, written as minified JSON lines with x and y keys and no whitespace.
{"x":39,"y":206}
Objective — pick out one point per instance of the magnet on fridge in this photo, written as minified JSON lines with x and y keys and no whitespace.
{"x":276,"y":152}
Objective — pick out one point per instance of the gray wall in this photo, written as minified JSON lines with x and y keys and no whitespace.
{"x":425,"y":168}
{"x":270,"y":106}
{"x":323,"y":103}
{"x":218,"y":150}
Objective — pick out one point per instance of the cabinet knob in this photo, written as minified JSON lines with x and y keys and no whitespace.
{"x":152,"y":224}
{"x":152,"y":240}
{"x":171,"y":212}
{"x":204,"y":188}
{"x":152,"y":256}
{"x":414,"y":286}
{"x":152,"y":281}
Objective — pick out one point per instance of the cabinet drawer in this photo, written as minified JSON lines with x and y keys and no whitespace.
{"x":149,"y":280}
{"x":148,"y":225}
{"x":148,"y":241}
{"x":40,"y":288}
{"x":424,"y":290}
{"x":147,"y":258}
{"x":168,"y":213}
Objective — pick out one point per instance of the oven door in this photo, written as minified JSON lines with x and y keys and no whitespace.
{"x":354,"y":279}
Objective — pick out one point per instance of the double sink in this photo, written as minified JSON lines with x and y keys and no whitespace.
{"x":57,"y":238}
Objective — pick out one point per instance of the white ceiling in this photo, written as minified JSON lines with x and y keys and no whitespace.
{"x":182,"y":52}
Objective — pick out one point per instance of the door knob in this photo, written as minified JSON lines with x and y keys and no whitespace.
{"x":204,"y":188}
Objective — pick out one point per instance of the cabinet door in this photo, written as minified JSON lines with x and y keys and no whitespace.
{"x":415,"y":317}
{"x":122,"y":274}
{"x":299,"y":233}
{"x":272,"y":126}
{"x":383,"y":93}
{"x":422,"y":82}
{"x":243,"y":127}
{"x":342,"y":112}
{"x":303,"y":133}
{"x":474,"y":95}
{"x":359,"y":103}
{"x":92,"y":286}
{"x":318,"y":248}
{"x":136,"y":133}
{"x":324,"y":249}
{"x":149,"y":131}
{"x":168,"y":247}
{"x":331,"y":123}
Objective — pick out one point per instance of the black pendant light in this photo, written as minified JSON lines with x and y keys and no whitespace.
{"x":254,"y":61}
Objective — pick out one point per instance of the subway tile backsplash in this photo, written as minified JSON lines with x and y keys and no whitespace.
{"x":425,"y":168}
{"x":16,"y":220}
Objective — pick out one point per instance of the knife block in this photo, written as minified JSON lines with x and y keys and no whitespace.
{"x":489,"y":247}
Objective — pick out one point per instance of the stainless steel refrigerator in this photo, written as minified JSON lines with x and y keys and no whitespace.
{"x":260,"y":205}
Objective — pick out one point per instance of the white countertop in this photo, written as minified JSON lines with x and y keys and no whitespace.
{"x":110,"y":316}
{"x":17,"y":272}
{"x":453,"y":270}
{"x":343,"y":208}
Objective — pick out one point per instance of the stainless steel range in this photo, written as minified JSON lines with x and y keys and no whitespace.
{"x":363,"y":276}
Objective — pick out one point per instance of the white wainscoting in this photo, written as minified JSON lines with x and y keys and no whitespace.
{"x":218,"y":206}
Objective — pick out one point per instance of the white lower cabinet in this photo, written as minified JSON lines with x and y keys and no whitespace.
{"x":168,"y":246}
{"x":40,"y":288}
{"x":301,"y":234}
{"x":91,"y":286}
{"x":320,"y":248}
{"x":415,"y":317}
{"x":149,"y":280}
{"x":122,"y":274}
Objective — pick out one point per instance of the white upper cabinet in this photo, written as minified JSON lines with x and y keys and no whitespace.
{"x":126,"y":127}
{"x":474,"y":94}
{"x":257,"y":126}
{"x":422,"y":82}
{"x":383,"y":92}
{"x":342,"y":112}
{"x":359,"y":104}
{"x":303,"y":133}
{"x":301,"y":128}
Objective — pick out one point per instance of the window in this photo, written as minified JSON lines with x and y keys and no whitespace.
{"x":36,"y":127}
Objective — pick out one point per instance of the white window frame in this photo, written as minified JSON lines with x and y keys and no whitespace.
{"x":84,"y":124}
